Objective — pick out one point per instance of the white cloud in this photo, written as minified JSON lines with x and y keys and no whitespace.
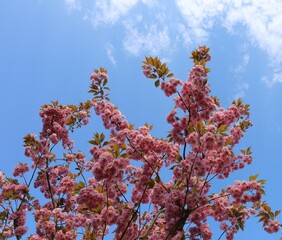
{"x":275,"y":77}
{"x":241,"y":67}
{"x":190,"y":23}
{"x":241,"y":89}
{"x":200,"y":16}
{"x":185,"y":35}
{"x":110,"y":52}
{"x":152,"y":39}
{"x":241,"y":86}
{"x":150,"y":3}
{"x":151,"y":33}
{"x":110,"y":11}
{"x":73,"y":4}
{"x":261,"y":20}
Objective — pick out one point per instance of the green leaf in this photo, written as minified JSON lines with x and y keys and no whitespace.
{"x":93,"y":142}
{"x":158,"y":64}
{"x":267,"y":208}
{"x":94,"y":87}
{"x":241,"y":225}
{"x":144,"y":238}
{"x":155,"y":61}
{"x":102,"y":137}
{"x":277,"y":212}
{"x":179,"y":157}
{"x":153,"y":76}
{"x":55,"y":103}
{"x":249,"y":152}
{"x":3,"y":215}
{"x":173,"y":167}
{"x":222,"y":128}
{"x":262,"y":181}
{"x":166,"y":71}
{"x":125,"y":155}
{"x":254,"y":177}
{"x":265,"y":216}
{"x":229,"y":141}
{"x":157,"y":83}
{"x":135,"y":216}
{"x":243,"y":151}
{"x":11,"y":180}
{"x":116,"y":147}
{"x":157,"y":179}
{"x":170,"y":75}
{"x":190,"y":129}
{"x":200,"y":126}
{"x":105,"y":82}
{"x":151,"y":183}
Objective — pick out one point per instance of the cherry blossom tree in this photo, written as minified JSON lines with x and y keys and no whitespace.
{"x":120,"y":192}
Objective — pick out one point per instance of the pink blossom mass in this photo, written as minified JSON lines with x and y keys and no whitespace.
{"x":120,"y":192}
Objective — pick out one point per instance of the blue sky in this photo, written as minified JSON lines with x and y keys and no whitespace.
{"x":48,"y":49}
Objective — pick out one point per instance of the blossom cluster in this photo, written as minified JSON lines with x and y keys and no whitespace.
{"x":54,"y":124}
{"x":170,"y":87}
{"x":142,"y":186}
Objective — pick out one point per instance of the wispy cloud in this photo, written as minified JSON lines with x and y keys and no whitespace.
{"x":110,"y":52}
{"x":150,"y":3}
{"x":73,"y":4}
{"x":241,"y":67}
{"x":152,"y":39}
{"x":275,"y":77}
{"x":200,"y":16}
{"x":190,"y":23}
{"x":261,"y":20}
{"x":109,"y":12}
{"x":185,"y":35}
{"x":241,"y":89}
{"x":151,"y":33}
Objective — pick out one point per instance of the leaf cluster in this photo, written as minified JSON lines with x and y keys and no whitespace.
{"x":249,"y":152}
{"x":98,"y":140}
{"x":254,"y":177}
{"x":159,"y":71}
{"x":201,"y":57}
{"x":29,"y":140}
{"x":238,"y":213}
{"x":99,"y":86}
{"x":266,"y":212}
{"x":75,"y":118}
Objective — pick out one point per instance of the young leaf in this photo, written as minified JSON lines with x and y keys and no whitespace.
{"x":157,"y":83}
{"x":170,"y":75}
{"x":153,"y":76}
